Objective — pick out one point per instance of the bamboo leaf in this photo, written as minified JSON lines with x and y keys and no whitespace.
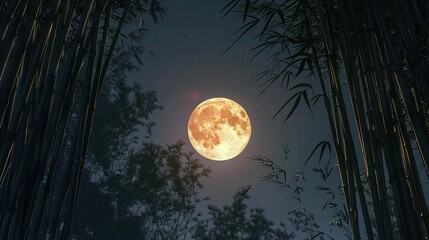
{"x":326,"y":144}
{"x":282,"y":18}
{"x":303,"y":85}
{"x":316,"y":98}
{"x":301,"y":67}
{"x":295,"y":105}
{"x":267,"y":23}
{"x":323,"y":145}
{"x":249,"y":26}
{"x":285,"y":104}
{"x":307,"y":102}
{"x":228,"y":8}
{"x":246,"y":10}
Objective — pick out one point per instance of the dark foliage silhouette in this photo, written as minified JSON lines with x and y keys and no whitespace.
{"x":370,"y":62}
{"x":54,"y":58}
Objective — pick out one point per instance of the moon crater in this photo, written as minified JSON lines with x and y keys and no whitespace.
{"x":219,"y":129}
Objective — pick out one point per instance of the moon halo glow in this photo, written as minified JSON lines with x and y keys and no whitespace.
{"x":219,"y":129}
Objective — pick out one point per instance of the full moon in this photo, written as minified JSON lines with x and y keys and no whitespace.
{"x":219,"y":129}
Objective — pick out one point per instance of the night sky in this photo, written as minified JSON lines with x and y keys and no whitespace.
{"x":187,"y":67}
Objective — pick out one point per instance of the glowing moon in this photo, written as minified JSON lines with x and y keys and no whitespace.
{"x":219,"y":129}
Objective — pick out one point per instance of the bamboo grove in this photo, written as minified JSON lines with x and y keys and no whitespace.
{"x":54,"y":56}
{"x":370,"y":61}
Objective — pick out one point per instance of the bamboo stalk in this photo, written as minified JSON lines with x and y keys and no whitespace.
{"x":47,"y":199}
{"x":10,"y":35}
{"x":84,"y":129}
{"x":41,"y":120}
{"x":405,"y":233}
{"x":19,"y":176}
{"x":417,"y":120}
{"x":41,"y":195}
{"x":413,"y":173}
{"x":9,"y":13}
{"x":412,"y":48}
{"x":60,"y":111}
{"x":68,"y":94}
{"x":10,"y":74}
{"x":352,"y":157}
{"x":9,"y":222}
{"x":361,"y":51}
{"x":27,"y":80}
{"x":46,"y":205}
{"x":394,"y":164}
{"x":403,"y":134}
{"x":384,"y":104}
{"x":89,"y":112}
{"x":334,"y":82}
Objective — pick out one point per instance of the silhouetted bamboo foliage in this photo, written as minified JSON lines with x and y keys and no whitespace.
{"x":54,"y":56}
{"x":370,"y":60}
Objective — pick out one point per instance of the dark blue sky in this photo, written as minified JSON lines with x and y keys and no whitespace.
{"x":188,"y":67}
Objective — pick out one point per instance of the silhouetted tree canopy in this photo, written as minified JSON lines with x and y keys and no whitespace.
{"x":142,"y":190}
{"x":239,"y":222}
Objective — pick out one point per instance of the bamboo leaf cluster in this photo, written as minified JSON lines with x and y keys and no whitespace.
{"x":370,"y":61}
